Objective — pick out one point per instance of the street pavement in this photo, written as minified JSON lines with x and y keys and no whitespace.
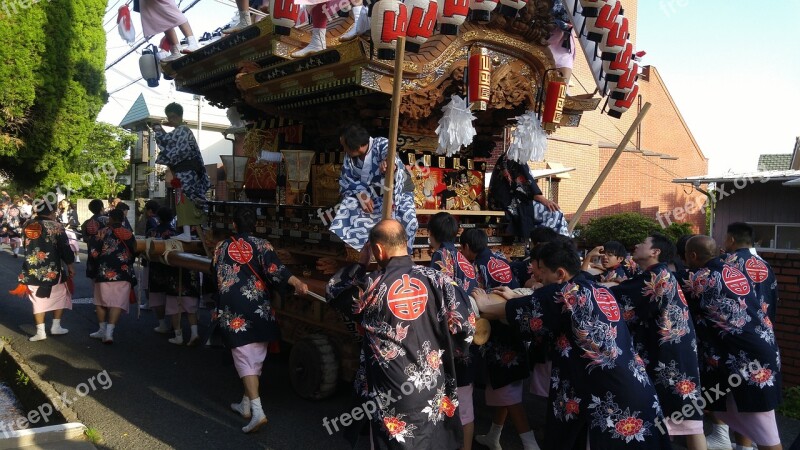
{"x":166,"y":396}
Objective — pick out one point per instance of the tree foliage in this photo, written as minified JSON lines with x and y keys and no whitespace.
{"x":92,"y":172}
{"x":628,"y":229}
{"x":52,"y":85}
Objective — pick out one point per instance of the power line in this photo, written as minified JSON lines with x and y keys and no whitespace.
{"x":123,"y":87}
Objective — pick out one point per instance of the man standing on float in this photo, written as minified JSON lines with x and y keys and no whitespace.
{"x":361,"y":188}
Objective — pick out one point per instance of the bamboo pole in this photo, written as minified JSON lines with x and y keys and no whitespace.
{"x":388,"y":195}
{"x":610,"y":165}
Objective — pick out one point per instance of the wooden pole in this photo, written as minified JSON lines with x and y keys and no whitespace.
{"x":610,"y":165}
{"x":394,"y":120}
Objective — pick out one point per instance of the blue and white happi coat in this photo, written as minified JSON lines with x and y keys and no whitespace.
{"x":351,"y":223}
{"x":179,"y":151}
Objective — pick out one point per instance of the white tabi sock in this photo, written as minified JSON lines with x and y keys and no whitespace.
{"x":243,"y":408}
{"x":194,"y":331}
{"x":110,"y":330}
{"x":492,"y":438}
{"x":529,"y":441}
{"x":258,"y":418}
{"x":743,"y":447}
{"x":244,"y":18}
{"x":55,"y":328}
{"x":719,"y":437}
{"x":40,"y":333}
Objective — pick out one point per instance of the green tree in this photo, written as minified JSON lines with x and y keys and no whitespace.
{"x":628,"y":229}
{"x":92,"y":172}
{"x":52,"y":85}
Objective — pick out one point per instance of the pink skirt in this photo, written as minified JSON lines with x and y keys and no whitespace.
{"x":761,"y":427}
{"x":73,"y":240}
{"x":466,"y":410}
{"x":60,"y":298}
{"x":112,"y":294}
{"x":685,"y":428}
{"x":540,"y":378}
{"x":177,"y":305}
{"x":508,"y":395}
{"x":249,"y":359}
{"x":562,"y":56}
{"x":159,"y":16}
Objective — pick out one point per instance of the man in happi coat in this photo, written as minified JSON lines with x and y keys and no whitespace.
{"x":599,"y":389}
{"x":739,"y":357}
{"x":657,"y":315}
{"x":361,"y":188}
{"x":111,"y":257}
{"x":43,"y":278}
{"x":442,"y":229}
{"x":248,"y":274}
{"x":89,"y":229}
{"x":741,"y":253}
{"x":179,"y":151}
{"x":415,"y":320}
{"x":615,"y":263}
{"x":505,"y":356}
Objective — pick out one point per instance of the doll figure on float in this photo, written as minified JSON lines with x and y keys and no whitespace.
{"x":324,"y":10}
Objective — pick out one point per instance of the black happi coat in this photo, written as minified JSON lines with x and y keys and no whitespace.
{"x":598,"y":380}
{"x":248,"y":272}
{"x":735,"y":338}
{"x":656,"y":312}
{"x":504,"y":354}
{"x":415,"y":320}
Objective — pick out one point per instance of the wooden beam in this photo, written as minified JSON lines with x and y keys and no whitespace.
{"x":610,"y":165}
{"x":388,"y":197}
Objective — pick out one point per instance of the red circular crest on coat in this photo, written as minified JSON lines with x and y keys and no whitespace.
{"x":607,"y":303}
{"x":499,"y":270}
{"x":33,"y":230}
{"x":465,"y":266}
{"x":123,"y":233}
{"x":756,"y":269}
{"x":682,"y":297}
{"x":735,"y":280}
{"x":92,"y":226}
{"x":407,"y":298}
{"x":240,"y":251}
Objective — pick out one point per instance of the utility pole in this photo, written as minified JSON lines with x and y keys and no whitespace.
{"x":199,"y":99}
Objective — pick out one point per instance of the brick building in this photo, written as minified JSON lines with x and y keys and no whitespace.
{"x":663,"y":149}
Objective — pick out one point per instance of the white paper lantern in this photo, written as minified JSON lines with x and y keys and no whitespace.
{"x":599,"y":27}
{"x":626,"y":82}
{"x":618,"y":107}
{"x":616,"y":38}
{"x":421,"y":22}
{"x":510,"y":8}
{"x":389,"y":21}
{"x":481,"y":10}
{"x":284,"y":15}
{"x":452,"y":13}
{"x":148,"y":66}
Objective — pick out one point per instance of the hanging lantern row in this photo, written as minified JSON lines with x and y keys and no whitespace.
{"x":605,"y":24}
{"x":421,"y":22}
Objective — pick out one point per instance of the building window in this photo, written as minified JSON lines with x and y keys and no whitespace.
{"x":777,"y":236}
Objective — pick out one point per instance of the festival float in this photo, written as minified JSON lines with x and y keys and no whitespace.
{"x":445,"y":80}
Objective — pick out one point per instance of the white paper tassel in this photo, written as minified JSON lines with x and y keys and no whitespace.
{"x":455,"y":127}
{"x":529,"y":139}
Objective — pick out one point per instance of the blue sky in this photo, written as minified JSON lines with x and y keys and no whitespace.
{"x":733,"y":70}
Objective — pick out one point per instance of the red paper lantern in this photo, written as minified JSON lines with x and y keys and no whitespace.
{"x":452,"y":14}
{"x":479,"y":78}
{"x":481,"y":10}
{"x":389,"y":21}
{"x":510,"y":8}
{"x":421,"y":22}
{"x":555,"y":95}
{"x":618,"y":107}
{"x":617,"y":37}
{"x":605,"y":20}
{"x":284,"y":15}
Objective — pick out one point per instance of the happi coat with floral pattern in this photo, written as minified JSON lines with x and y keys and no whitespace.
{"x":111,"y":255}
{"x":414,"y":319}
{"x":505,"y":356}
{"x":248,"y":273}
{"x":657,"y":315}
{"x":760,"y":274}
{"x":598,"y":381}
{"x":46,"y":251}
{"x":735,"y":338}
